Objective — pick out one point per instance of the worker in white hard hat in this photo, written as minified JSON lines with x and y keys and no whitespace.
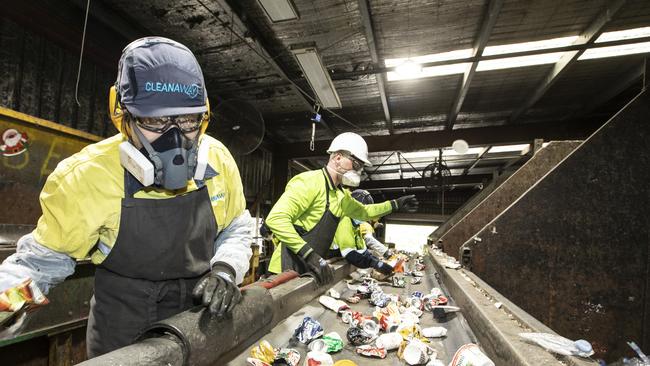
{"x":305,"y":218}
{"x":159,"y":207}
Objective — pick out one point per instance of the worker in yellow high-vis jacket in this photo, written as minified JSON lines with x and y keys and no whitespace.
{"x":354,"y":241}
{"x":159,"y":207}
{"x":305,"y":217}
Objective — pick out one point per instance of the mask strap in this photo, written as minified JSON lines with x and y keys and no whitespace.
{"x":153,"y":154}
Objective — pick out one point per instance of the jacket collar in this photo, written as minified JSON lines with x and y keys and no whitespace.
{"x":132,"y":185}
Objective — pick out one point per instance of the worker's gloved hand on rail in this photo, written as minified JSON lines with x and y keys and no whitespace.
{"x":217,"y":290}
{"x":384,"y":268}
{"x":405,"y":204}
{"x":320,"y":268}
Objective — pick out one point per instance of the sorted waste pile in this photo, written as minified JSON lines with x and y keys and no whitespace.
{"x":392,"y":324}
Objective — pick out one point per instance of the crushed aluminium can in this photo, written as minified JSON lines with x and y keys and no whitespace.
{"x":371,"y":351}
{"x":399,"y":282}
{"x":287,"y":357}
{"x":358,"y":336}
{"x":308,"y":330}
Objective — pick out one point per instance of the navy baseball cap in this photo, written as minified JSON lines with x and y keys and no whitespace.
{"x":159,"y":77}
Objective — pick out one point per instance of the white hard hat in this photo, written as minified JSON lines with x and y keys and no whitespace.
{"x":352,"y":143}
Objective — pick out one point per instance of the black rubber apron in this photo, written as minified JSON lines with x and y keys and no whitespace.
{"x":162,"y":249}
{"x":319,"y":238}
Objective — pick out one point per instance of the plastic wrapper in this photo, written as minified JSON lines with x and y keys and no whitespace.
{"x":371,"y":351}
{"x":416,"y":280}
{"x":288,"y":357}
{"x":308,"y":330}
{"x":27,"y":293}
{"x":560,"y":345}
{"x":389,"y":341}
{"x":413,"y":332}
{"x":264,"y":352}
{"x":357,"y":336}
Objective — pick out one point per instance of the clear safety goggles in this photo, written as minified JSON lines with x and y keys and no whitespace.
{"x":186,"y":123}
{"x":356,"y":163}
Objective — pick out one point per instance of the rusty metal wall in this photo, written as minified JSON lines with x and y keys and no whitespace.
{"x":507,"y":193}
{"x":37,"y":77}
{"x":574,"y":251}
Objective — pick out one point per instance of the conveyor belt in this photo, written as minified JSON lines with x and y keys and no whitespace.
{"x":459,"y":332}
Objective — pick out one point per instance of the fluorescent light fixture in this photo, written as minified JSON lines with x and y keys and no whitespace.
{"x":509,"y":148}
{"x":409,"y":69}
{"x":444,"y":56}
{"x":470,"y":151}
{"x":521,"y":61}
{"x":431,"y":71}
{"x":613,"y":51}
{"x":624,"y":34}
{"x":317,"y":76}
{"x":529,"y":46}
{"x":279,"y":10}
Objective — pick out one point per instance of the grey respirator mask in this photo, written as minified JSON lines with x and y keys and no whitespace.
{"x":173,"y":155}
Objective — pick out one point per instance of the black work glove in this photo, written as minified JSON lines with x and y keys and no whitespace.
{"x":217,"y":290}
{"x":384,"y":268}
{"x":388,"y":253}
{"x":405,"y":204}
{"x":320,"y":268}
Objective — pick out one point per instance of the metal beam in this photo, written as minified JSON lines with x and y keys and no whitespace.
{"x":421,"y":182}
{"x":493,"y":135}
{"x":251,"y":30}
{"x":480,"y":156}
{"x":587,"y":37}
{"x":489,"y":20}
{"x":381,"y":78}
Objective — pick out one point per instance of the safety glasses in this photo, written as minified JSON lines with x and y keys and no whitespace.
{"x":186,"y":123}
{"x":356,"y":163}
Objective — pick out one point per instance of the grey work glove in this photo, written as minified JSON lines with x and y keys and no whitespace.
{"x":388,"y":253}
{"x":217,"y":290}
{"x":319,"y":267}
{"x":405,"y":204}
{"x":384,"y":267}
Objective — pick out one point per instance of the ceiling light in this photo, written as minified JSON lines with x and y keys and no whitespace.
{"x":317,"y":76}
{"x":409,"y":69}
{"x":521,"y":61}
{"x":529,"y":46}
{"x":431,"y":71}
{"x":279,"y":10}
{"x":509,"y":148}
{"x":624,"y":34}
{"x":613,"y":51}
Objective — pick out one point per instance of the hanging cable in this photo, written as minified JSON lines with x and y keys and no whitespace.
{"x":81,"y":55}
{"x":314,"y":119}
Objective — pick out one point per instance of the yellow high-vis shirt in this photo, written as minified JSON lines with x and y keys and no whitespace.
{"x":81,"y":199}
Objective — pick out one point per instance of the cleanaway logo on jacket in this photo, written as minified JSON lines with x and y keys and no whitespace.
{"x":191,"y":90}
{"x":218,"y":196}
